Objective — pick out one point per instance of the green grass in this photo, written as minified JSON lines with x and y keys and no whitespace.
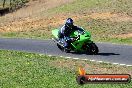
{"x":33,"y":34}
{"x":80,"y":6}
{"x":29,"y":70}
{"x":120,"y":40}
{"x":120,"y":6}
{"x":77,"y":6}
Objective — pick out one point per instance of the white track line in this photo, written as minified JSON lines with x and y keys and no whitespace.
{"x":100,"y":61}
{"x":115,"y":63}
{"x":68,"y":57}
{"x":50,"y":55}
{"x":128,"y":65}
{"x":75,"y":58}
{"x":61,"y":56}
{"x":107,"y":62}
{"x":84,"y":59}
{"x":122,"y":64}
{"x":92,"y":60}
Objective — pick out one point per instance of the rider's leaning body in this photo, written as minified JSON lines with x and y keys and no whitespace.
{"x":65,"y":31}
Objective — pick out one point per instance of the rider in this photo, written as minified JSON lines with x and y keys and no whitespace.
{"x":64,"y":32}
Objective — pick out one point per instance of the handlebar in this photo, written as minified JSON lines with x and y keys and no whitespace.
{"x":72,"y":39}
{"x":75,"y":38}
{"x":78,"y":37}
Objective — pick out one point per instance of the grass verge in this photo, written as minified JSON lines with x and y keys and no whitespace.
{"x":30,"y":70}
{"x":77,"y":6}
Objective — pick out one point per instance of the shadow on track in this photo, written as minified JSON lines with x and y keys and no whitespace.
{"x":100,"y":54}
{"x":107,"y":54}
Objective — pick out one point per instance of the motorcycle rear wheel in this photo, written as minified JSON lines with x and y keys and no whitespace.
{"x":92,"y":49}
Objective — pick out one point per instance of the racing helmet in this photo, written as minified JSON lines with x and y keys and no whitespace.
{"x":69,"y":22}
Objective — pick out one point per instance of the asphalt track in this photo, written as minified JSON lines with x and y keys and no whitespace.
{"x":112,"y":53}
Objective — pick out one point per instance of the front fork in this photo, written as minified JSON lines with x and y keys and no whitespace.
{"x":86,"y":45}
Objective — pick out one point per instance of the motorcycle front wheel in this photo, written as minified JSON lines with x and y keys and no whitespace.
{"x":60,"y":47}
{"x":63,"y":49}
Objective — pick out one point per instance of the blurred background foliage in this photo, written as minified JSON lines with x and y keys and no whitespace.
{"x":12,"y":4}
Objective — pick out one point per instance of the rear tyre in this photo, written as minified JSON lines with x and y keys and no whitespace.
{"x":93,"y":49}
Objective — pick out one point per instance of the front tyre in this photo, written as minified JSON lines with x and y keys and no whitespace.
{"x":92,"y":49}
{"x":63,"y":49}
{"x":60,"y":47}
{"x":67,"y":50}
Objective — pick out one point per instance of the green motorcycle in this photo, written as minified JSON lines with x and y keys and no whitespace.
{"x":81,"y":42}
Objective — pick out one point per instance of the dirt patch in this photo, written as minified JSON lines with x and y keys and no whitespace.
{"x":124,"y":36}
{"x":34,"y":23}
{"x":121,"y":18}
{"x":111,"y":16}
{"x":59,"y":19}
{"x":34,"y":8}
{"x":106,"y":15}
{"x":26,"y":18}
